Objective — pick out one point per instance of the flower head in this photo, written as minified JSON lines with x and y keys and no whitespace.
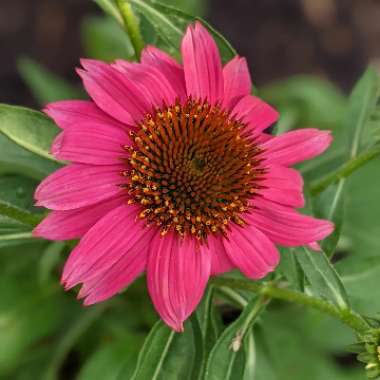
{"x":172,"y":173}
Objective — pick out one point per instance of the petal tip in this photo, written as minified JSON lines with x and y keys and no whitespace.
{"x":37,"y":232}
{"x":57,"y":145}
{"x":199,"y":27}
{"x":88,"y":63}
{"x":88,"y":302}
{"x":314,"y":246}
{"x":177,"y":326}
{"x":329,"y":138}
{"x":330,"y":227}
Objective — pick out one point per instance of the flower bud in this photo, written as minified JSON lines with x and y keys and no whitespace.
{"x":368,"y":350}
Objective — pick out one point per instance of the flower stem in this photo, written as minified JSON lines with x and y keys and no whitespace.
{"x":345,"y":170}
{"x":131,"y":26}
{"x":347,"y":316}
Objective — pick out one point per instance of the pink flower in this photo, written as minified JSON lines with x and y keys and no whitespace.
{"x":172,"y":173}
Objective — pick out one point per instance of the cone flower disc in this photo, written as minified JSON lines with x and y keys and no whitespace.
{"x":171,"y":173}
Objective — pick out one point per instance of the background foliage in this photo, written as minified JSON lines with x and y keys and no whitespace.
{"x":46,"y":334}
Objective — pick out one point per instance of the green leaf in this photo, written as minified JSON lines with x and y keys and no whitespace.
{"x":113,"y":361}
{"x":16,"y":200}
{"x":290,"y":268}
{"x":30,"y":129}
{"x":167,"y":355}
{"x":148,"y":32}
{"x":45,"y":86}
{"x":14,"y":159}
{"x":363,"y":105}
{"x":360,"y":242}
{"x":10,"y":226}
{"x":233,"y":353}
{"x":18,"y":191}
{"x":110,"y":8}
{"x":357,"y":269}
{"x":209,"y":322}
{"x":28,"y":313}
{"x":311,"y":100}
{"x":360,"y":276}
{"x":322,"y":276}
{"x":69,"y":338}
{"x":205,"y":313}
{"x":355,"y":141}
{"x":104,"y":39}
{"x":330,"y":205}
{"x":250,"y":357}
{"x":264,"y":364}
{"x":49,"y":261}
{"x":194,"y":7}
{"x":17,"y":215}
{"x":289,"y":347}
{"x":24,"y":322}
{"x":170,"y":24}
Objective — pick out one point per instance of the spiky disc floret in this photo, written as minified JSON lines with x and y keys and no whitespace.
{"x":194,"y":167}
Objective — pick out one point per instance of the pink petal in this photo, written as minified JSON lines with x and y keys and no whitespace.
{"x":168,"y":66}
{"x":256,"y":113}
{"x":116,"y":238}
{"x":73,"y":224}
{"x":57,"y":144}
{"x":237,"y":82}
{"x":296,"y":146}
{"x":285,"y":226}
{"x":68,"y":113}
{"x":283,"y":185}
{"x":251,"y":251}
{"x":79,"y":185}
{"x":177,"y":274}
{"x":220,"y":262}
{"x":115,"y":279}
{"x":202,"y":65}
{"x":314,"y":246}
{"x":263,"y":137}
{"x":92,"y":143}
{"x":114,"y":92}
{"x":155,"y":86}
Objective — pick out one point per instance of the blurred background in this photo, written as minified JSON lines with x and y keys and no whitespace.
{"x":304,"y":56}
{"x":330,"y":38}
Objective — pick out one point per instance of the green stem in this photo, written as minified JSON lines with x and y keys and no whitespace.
{"x":16,"y":236}
{"x":131,"y":26}
{"x":232,"y":296}
{"x":259,"y":305}
{"x":109,"y":7}
{"x":347,"y":316}
{"x":345,"y":170}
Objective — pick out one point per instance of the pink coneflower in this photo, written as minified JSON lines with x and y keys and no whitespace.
{"x":172,"y":173}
